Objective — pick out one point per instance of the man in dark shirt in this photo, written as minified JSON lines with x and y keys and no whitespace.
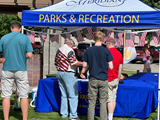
{"x":97,"y":57}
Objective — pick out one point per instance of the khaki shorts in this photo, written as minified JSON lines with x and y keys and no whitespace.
{"x":21,"y":80}
{"x":112,"y":90}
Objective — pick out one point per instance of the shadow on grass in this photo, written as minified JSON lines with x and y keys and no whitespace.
{"x":30,"y":95}
{"x":84,"y":117}
{"x":13,"y":114}
{"x":17,"y":114}
{"x":12,"y":102}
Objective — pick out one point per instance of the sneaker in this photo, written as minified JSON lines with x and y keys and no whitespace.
{"x":75,"y":118}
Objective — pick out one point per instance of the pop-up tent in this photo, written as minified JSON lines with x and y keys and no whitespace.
{"x":115,"y":14}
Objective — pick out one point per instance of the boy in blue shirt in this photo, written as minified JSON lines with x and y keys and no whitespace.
{"x":96,"y":58}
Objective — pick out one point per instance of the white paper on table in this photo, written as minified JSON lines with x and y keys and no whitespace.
{"x":82,"y":79}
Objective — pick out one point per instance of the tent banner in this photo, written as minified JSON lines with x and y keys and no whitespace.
{"x":119,"y":19}
{"x":129,"y":54}
{"x":129,"y":48}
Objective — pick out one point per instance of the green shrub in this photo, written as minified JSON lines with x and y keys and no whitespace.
{"x":51,"y":75}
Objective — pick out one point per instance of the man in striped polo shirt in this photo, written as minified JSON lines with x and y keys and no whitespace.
{"x":66,"y":62}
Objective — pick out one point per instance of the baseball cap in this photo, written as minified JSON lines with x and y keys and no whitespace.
{"x":110,"y":39}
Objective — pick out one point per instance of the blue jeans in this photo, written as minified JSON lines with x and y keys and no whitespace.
{"x":69,"y":91}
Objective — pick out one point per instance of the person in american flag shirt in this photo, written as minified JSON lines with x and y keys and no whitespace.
{"x":66,"y":62}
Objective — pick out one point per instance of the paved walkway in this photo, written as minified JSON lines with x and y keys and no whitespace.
{"x":139,"y":66}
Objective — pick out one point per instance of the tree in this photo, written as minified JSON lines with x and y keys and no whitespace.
{"x":148,"y":38}
{"x":5,"y":21}
{"x":153,"y":3}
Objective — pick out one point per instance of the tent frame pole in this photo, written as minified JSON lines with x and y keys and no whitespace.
{"x":124,"y":36}
{"x":22,"y":31}
{"x":158,"y":88}
{"x":158,"y":92}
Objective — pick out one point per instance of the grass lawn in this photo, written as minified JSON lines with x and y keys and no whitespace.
{"x":32,"y":115}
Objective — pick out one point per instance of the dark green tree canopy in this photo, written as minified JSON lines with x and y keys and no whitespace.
{"x":5,"y":23}
{"x":153,"y":3}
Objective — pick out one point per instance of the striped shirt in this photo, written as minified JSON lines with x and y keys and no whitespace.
{"x":65,"y":59}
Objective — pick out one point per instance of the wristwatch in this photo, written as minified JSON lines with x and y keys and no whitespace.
{"x":83,"y":73}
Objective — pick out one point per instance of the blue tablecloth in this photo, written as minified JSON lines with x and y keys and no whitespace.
{"x":153,"y":77}
{"x":135,"y":98}
{"x":150,"y":78}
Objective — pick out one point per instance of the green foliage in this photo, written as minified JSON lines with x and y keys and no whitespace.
{"x":33,"y":29}
{"x":83,"y":34}
{"x":51,"y":75}
{"x":148,"y":38}
{"x":153,"y":3}
{"x":129,"y":73}
{"x":6,"y":21}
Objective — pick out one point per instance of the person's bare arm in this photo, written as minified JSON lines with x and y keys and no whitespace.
{"x":78,"y":63}
{"x":83,"y":70}
{"x":149,"y":66}
{"x":147,"y":53}
{"x":29,"y":55}
{"x":110,"y":65}
{"x":119,"y":71}
{"x":1,"y":54}
{"x":2,"y":60}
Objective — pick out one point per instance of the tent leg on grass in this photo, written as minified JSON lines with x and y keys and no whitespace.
{"x":158,"y":94}
{"x":157,"y":110}
{"x":16,"y":108}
